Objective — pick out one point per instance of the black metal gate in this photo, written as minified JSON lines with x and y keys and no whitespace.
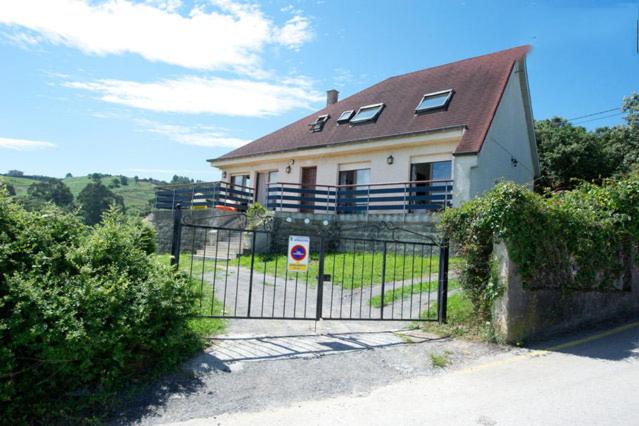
{"x":243,"y":273}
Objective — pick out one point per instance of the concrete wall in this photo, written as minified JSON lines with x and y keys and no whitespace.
{"x":520,"y":315}
{"x":510,"y":136}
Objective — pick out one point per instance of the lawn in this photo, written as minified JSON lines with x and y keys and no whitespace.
{"x":404,"y":292}
{"x":349,"y":270}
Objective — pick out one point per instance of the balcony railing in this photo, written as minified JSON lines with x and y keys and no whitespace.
{"x":400,"y":197}
{"x":204,"y":195}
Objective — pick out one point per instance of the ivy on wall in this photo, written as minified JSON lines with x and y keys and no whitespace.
{"x":578,"y":240}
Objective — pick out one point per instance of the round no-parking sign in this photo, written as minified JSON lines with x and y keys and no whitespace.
{"x":298,"y":253}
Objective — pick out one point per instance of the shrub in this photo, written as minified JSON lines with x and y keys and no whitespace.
{"x":574,"y":240}
{"x":82,"y":311}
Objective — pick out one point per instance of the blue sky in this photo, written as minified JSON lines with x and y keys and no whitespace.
{"x":155,"y":87}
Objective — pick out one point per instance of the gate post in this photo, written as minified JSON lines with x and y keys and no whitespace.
{"x":381,"y":315}
{"x":320,"y":282}
{"x":250,"y":292}
{"x":442,"y":298}
{"x":177,"y":236}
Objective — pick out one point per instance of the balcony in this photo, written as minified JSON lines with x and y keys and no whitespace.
{"x":220,"y":195}
{"x":400,"y":197}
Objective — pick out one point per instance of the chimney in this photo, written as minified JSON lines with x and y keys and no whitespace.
{"x":331,"y":97}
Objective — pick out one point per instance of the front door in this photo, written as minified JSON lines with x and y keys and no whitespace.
{"x":309,"y":179}
{"x":264,"y":179}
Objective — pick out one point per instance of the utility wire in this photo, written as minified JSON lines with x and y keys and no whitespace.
{"x":600,"y":118}
{"x":593,"y":114}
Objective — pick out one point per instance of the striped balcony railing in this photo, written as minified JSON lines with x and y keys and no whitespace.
{"x":399,"y":197}
{"x":204,"y":195}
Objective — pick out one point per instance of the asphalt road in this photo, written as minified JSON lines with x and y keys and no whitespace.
{"x":582,"y":379}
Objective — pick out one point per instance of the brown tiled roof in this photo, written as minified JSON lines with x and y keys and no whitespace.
{"x":478,"y":85}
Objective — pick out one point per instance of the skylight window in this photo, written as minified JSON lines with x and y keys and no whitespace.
{"x":367,"y":113}
{"x":345,"y":116}
{"x":319,"y":122}
{"x":436,"y":100}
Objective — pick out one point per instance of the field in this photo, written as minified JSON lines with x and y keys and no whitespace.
{"x":136,"y":195}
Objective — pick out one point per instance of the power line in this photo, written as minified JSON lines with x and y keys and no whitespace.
{"x":594,"y":113}
{"x":600,"y":118}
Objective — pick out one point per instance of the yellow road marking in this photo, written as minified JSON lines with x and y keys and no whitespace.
{"x":542,"y":352}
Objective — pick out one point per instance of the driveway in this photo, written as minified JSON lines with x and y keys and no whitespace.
{"x":389,"y":378}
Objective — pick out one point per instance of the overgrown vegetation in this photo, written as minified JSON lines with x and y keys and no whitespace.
{"x":569,"y":153}
{"x":573,"y":240}
{"x":83,"y":311}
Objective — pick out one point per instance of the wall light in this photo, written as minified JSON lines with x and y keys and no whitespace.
{"x":223,"y":175}
{"x":288,"y":169}
{"x":514,"y":161}
{"x":390,"y":160}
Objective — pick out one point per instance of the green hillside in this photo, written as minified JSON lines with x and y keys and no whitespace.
{"x":136,"y":195}
{"x":19,"y":183}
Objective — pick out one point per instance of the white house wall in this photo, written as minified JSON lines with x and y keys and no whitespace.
{"x":509,"y":137}
{"x":329,"y":161}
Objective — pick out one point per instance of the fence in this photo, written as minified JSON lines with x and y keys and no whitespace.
{"x":401,"y":197}
{"x":204,"y":195}
{"x":241,"y":273}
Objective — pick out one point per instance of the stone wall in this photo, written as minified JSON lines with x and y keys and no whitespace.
{"x":410,"y":227}
{"x":162,"y":220}
{"x":520,"y":314}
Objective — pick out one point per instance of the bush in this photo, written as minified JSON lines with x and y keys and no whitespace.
{"x":82,"y":311}
{"x":574,"y":240}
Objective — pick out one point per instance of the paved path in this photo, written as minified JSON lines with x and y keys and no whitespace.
{"x":587,"y":381}
{"x":296,"y":296}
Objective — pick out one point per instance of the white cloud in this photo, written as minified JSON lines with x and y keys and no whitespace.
{"x":24,"y":144}
{"x":196,"y":95}
{"x":198,"y":136}
{"x":295,"y":32}
{"x":220,"y":34}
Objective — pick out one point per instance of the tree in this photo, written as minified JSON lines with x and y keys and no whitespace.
{"x":9,"y":188}
{"x":15,"y":173}
{"x":52,"y":190}
{"x":124,"y":181}
{"x":68,"y":175}
{"x":95,"y":199}
{"x":115,"y":183}
{"x":136,"y":179}
{"x":568,"y":152}
{"x":177,"y":180}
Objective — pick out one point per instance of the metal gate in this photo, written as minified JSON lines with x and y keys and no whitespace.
{"x":243,"y":273}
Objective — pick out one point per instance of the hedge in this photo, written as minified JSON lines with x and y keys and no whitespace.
{"x":579,"y":240}
{"x":83,"y":311}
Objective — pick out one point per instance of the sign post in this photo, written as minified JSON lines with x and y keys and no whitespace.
{"x":298,"y":252}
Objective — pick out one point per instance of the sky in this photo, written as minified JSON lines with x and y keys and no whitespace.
{"x":153,"y":88}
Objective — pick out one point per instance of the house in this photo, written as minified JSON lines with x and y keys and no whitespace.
{"x":411,"y":143}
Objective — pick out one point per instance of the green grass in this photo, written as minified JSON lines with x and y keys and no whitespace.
{"x":136,"y":196}
{"x":461,"y":320}
{"x":352,"y":270}
{"x":20,"y":184}
{"x":440,"y":360}
{"x":404,"y":292}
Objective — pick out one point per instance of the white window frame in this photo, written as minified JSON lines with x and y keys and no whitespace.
{"x":379,"y":105}
{"x":341,"y":118}
{"x":428,"y":95}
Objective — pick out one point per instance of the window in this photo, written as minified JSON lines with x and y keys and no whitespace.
{"x":241,"y":180}
{"x":318,"y":125}
{"x":435,"y":100}
{"x":345,"y":116}
{"x":349,"y":199}
{"x":367,"y":113}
